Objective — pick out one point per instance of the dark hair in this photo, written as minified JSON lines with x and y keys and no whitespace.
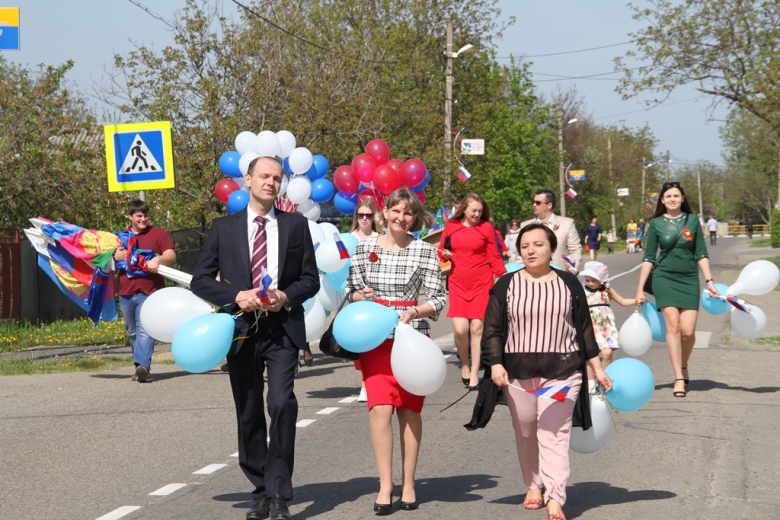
{"x":137,"y":205}
{"x":467,"y":198}
{"x":458,"y":199}
{"x":514,"y":221}
{"x":593,"y":216}
{"x":660,"y":209}
{"x":549,"y":195}
{"x":551,"y":238}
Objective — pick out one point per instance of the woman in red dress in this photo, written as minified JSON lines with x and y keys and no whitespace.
{"x":469,"y":242}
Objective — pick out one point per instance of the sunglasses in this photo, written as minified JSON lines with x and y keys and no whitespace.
{"x":667,"y":185}
{"x":365,"y":215}
{"x":539,"y":202}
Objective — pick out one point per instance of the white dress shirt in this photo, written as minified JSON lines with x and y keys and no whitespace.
{"x":272,"y":241}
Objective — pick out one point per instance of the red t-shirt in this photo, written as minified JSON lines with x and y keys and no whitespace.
{"x":157,"y":240}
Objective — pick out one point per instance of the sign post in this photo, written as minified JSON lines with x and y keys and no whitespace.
{"x":9,"y":29}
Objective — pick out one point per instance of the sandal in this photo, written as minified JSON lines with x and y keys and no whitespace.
{"x":532,"y":504}
{"x":687,"y":379}
{"x":679,"y":393}
{"x":555,"y":516}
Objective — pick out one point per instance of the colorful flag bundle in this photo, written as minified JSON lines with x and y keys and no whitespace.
{"x":557,"y":392}
{"x":343,"y":253}
{"x":265,"y":283}
{"x":135,"y":262}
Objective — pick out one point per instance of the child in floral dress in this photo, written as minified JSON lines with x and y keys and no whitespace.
{"x":599,"y":294}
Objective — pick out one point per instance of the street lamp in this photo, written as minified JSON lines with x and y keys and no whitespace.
{"x":644,"y":174}
{"x":448,"y":114}
{"x":560,"y":163}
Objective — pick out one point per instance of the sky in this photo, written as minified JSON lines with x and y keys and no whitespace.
{"x":90,"y":32}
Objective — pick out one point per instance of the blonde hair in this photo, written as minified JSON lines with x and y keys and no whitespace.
{"x":376,"y":224}
{"x":407,"y":197}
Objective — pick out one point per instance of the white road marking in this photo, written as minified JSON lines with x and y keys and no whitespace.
{"x":304,"y":423}
{"x":167,"y":490}
{"x":627,"y":272}
{"x":702,"y":339}
{"x":211,"y":468}
{"x":328,"y":410}
{"x":235,"y":454}
{"x":349,"y":399}
{"x":448,"y":340}
{"x":447,"y":356}
{"x":119,"y":513}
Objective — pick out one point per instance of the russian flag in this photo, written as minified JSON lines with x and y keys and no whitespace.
{"x":568,"y":259}
{"x":557,"y":392}
{"x":265,"y":283}
{"x":739,"y":304}
{"x":571,"y":193}
{"x":463,"y":174}
{"x":343,"y":253}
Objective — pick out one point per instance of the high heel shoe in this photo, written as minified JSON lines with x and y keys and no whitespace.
{"x":687,"y":379}
{"x":409,"y":506}
{"x":384,"y":509}
{"x":679,"y":393}
{"x":465,"y":381}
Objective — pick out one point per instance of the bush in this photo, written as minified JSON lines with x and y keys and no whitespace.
{"x":775,"y":228}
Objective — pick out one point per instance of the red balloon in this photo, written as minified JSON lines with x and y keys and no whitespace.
{"x":224,"y":188}
{"x":374,"y":196}
{"x":363,"y":166}
{"x":379,"y":150}
{"x":400,"y":170}
{"x":420,"y":195}
{"x":415,"y":172}
{"x":385,"y":179}
{"x":344,"y":180}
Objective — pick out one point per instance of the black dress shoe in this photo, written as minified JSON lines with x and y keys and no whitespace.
{"x":279,"y":510}
{"x":384,"y":509}
{"x":259,"y":510}
{"x":409,"y":506}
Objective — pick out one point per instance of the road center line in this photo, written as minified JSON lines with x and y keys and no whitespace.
{"x":349,"y":399}
{"x":167,"y":490}
{"x":235,"y":454}
{"x":627,"y":272}
{"x":304,"y":423}
{"x":211,"y":468}
{"x":328,"y":410}
{"x":119,"y":512}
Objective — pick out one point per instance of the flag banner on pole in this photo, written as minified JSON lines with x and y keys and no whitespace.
{"x":343,"y":253}
{"x":571,"y":193}
{"x":463,"y":174}
{"x":265,"y":283}
{"x":737,"y":303}
{"x":557,"y":392}
{"x":569,"y":259}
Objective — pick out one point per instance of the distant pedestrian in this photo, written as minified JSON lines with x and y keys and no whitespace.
{"x":593,"y":237}
{"x":611,"y":238}
{"x":749,"y":227}
{"x":631,"y":236}
{"x":712,"y":226}
{"x":511,"y":239}
{"x":641,"y":233}
{"x":568,"y":256}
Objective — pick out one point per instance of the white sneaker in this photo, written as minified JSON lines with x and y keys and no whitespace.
{"x":363,"y":397}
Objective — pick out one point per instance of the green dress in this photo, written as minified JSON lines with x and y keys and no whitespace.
{"x":676,"y":279}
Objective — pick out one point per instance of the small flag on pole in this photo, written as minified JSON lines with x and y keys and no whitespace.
{"x":737,"y":303}
{"x":568,"y":259}
{"x":343,"y":253}
{"x":571,"y":193}
{"x":463,"y":174}
{"x":557,"y":392}
{"x":265,"y":283}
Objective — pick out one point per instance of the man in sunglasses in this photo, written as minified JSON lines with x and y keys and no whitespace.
{"x":568,"y":256}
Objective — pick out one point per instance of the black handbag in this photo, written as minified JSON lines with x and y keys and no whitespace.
{"x":648,"y":287}
{"x":328,"y":344}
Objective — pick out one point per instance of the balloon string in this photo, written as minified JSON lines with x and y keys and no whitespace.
{"x":611,"y":409}
{"x":456,"y":401}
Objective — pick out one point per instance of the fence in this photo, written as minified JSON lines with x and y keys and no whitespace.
{"x":758,"y":229}
{"x":10,"y":279}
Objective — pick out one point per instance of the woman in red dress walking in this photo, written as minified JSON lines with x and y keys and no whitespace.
{"x":469,"y":242}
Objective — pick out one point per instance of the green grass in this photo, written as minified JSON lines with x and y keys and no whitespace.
{"x":772,"y":341}
{"x":15,"y":367}
{"x":19,"y":336}
{"x":761,"y":242}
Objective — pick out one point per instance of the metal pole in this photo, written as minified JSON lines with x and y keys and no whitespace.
{"x":560,"y":164}
{"x":698,"y":181}
{"x":778,"y":177}
{"x":448,"y":123}
{"x":142,"y":196}
{"x":668,"y":163}
{"x":642,"y":195}
{"x":611,"y":181}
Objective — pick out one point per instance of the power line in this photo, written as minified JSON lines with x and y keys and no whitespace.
{"x":567,"y":52}
{"x":589,"y":76}
{"x":646,"y":109}
{"x":152,"y":13}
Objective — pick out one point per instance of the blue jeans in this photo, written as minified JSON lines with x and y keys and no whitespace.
{"x":141,"y":343}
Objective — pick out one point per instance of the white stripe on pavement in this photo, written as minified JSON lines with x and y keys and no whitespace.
{"x":119,"y":513}
{"x":211,"y":468}
{"x":235,"y":454}
{"x":627,"y":272}
{"x":328,"y":410}
{"x":349,"y":399}
{"x":304,"y":423}
{"x":167,"y":490}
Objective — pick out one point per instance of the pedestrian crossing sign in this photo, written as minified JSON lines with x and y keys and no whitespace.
{"x":139,"y":156}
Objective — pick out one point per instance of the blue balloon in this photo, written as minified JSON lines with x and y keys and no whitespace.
{"x":363,"y":326}
{"x":319,"y":167}
{"x":321,"y":190}
{"x":286,"y":165}
{"x":345,"y":202}
{"x":633,"y":384}
{"x":203,"y":342}
{"x":228,"y":164}
{"x":715,"y":305}
{"x":656,"y":321}
{"x":511,"y":267}
{"x":339,"y":278}
{"x":237,"y":201}
{"x":350,"y":241}
{"x":423,"y":183}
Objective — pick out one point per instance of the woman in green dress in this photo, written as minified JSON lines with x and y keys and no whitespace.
{"x":676,"y":231}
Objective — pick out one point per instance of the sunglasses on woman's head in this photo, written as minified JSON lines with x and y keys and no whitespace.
{"x":674,"y":184}
{"x":365,"y":215}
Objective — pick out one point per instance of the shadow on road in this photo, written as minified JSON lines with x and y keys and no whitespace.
{"x":160,"y":376}
{"x":326,"y":496}
{"x":703,"y":385}
{"x":336,"y":392}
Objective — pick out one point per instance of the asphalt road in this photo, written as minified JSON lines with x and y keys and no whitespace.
{"x":95,"y":445}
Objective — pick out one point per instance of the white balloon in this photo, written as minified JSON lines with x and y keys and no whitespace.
{"x":749,"y":325}
{"x":757,"y":278}
{"x":243,"y":163}
{"x":300,"y":161}
{"x":417,"y":361}
{"x":241,"y":183}
{"x":635,"y":335}
{"x":308,"y":304}
{"x":285,"y":183}
{"x":328,"y":229}
{"x":286,"y":143}
{"x":597,"y":436}
{"x":312,"y":213}
{"x":298,"y":189}
{"x":328,"y":257}
{"x":306,"y":205}
{"x":316,"y":232}
{"x":329,"y":296}
{"x":266,"y":144}
{"x":314,"y":320}
{"x":245,"y":142}
{"x":168,"y":309}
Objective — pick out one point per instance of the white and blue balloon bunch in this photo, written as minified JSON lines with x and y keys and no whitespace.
{"x":304,"y":187}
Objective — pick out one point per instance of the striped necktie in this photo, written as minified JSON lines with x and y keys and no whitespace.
{"x":259,"y":252}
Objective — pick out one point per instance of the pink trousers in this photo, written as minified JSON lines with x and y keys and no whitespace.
{"x":542,"y":431}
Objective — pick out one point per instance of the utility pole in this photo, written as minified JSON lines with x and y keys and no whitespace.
{"x":560,"y":164}
{"x":448,"y":122}
{"x":698,"y":182}
{"x":668,"y":163}
{"x":142,"y":195}
{"x":642,"y":195}
{"x":611,"y":181}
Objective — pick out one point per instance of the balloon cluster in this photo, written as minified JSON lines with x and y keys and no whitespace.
{"x":303,"y":190}
{"x":373,"y":175}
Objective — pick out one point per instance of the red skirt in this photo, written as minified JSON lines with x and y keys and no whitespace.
{"x":381,"y":386}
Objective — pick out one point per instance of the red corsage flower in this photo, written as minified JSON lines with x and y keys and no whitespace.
{"x":373,"y":257}
{"x":688,"y":235}
{"x":555,"y":227}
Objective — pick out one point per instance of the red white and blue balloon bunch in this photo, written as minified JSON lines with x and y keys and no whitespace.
{"x":373,"y":175}
{"x":303,"y":190}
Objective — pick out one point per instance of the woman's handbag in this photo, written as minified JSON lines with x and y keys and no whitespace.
{"x":328,"y":344}
{"x":648,"y":287}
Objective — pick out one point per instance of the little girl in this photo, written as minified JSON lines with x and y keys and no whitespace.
{"x":599,"y":293}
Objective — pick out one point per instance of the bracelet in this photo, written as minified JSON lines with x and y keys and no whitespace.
{"x":416,"y":312}
{"x":709,"y":280}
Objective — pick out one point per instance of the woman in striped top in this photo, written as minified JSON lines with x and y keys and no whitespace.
{"x":538,"y":333}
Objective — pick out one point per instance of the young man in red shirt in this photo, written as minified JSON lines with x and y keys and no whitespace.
{"x":134,"y":291}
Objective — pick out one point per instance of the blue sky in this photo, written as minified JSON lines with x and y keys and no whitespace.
{"x":90,"y":32}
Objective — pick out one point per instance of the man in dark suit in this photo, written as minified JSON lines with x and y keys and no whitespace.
{"x":245,"y":248}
